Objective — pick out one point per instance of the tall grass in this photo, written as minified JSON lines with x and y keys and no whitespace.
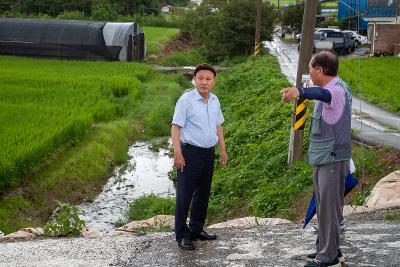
{"x":374,"y":79}
{"x":45,"y":104}
{"x":190,"y":57}
{"x":156,"y":37}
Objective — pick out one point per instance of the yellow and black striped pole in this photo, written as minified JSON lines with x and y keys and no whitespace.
{"x":258,"y":29}
{"x":299,"y":117}
{"x":301,"y":105}
{"x":257,"y":49}
{"x":301,"y":114}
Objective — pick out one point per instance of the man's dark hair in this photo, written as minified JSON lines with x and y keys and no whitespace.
{"x":204,"y":66}
{"x":328,"y":61}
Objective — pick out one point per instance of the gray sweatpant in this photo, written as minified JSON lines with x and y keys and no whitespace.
{"x":328,"y":183}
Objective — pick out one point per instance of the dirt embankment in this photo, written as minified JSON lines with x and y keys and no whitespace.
{"x":181,"y":43}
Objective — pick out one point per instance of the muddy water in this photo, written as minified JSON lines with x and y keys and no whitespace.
{"x":145,"y":173}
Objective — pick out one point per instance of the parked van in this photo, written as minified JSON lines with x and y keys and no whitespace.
{"x":320,"y":42}
{"x":343,"y":42}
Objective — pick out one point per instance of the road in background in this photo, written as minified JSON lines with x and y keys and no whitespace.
{"x":370,"y":123}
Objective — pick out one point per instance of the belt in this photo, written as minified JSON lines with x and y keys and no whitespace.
{"x":205,"y":149}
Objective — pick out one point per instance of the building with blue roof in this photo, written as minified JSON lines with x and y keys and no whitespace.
{"x":350,"y":9}
{"x":383,"y":17}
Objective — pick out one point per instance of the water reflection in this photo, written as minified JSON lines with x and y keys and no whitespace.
{"x":146,"y":172}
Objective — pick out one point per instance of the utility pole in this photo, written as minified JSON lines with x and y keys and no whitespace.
{"x":300,"y":105}
{"x":258,"y":29}
{"x":279,"y":12}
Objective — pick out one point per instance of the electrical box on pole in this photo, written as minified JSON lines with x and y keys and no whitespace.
{"x":300,"y":105}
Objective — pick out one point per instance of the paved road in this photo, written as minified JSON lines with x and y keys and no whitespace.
{"x":372,"y":124}
{"x":368,"y":243}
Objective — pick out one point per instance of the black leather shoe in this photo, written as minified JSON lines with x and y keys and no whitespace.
{"x":203,"y":235}
{"x":186,"y":244}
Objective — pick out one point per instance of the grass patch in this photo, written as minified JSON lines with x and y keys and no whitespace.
{"x":157,"y":36}
{"x":392,"y":216}
{"x":230,"y":62}
{"x":330,"y":5}
{"x":148,"y":206}
{"x":155,"y":107}
{"x":378,"y":90}
{"x":190,"y":57}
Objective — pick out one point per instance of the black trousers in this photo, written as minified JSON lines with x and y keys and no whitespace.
{"x":193,"y":187}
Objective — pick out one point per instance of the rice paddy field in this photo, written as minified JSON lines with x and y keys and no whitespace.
{"x":375,"y":79}
{"x":157,"y":36}
{"x":46,"y":104}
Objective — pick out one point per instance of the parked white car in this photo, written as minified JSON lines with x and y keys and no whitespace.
{"x":358,"y":39}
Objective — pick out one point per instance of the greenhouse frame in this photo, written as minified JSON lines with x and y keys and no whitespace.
{"x":74,"y":39}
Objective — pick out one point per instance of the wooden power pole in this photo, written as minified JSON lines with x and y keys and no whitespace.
{"x":300,"y":106}
{"x":258,"y":29}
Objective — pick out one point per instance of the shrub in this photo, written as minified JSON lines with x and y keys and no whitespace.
{"x":77,"y":15}
{"x":65,"y":221}
{"x":103,"y":10}
{"x":233,"y":27}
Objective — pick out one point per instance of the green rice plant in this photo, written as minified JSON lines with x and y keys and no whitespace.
{"x":374,"y":79}
{"x":55,"y":102}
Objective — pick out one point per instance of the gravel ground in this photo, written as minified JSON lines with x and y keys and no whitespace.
{"x":365,"y":243}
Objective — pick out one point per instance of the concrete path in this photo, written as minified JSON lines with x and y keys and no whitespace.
{"x":371,"y":123}
{"x":369,"y":243}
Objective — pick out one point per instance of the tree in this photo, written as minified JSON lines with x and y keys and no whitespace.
{"x":292,"y":19}
{"x":103,"y":10}
{"x":226,"y":28}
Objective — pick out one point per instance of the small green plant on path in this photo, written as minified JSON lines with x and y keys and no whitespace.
{"x":392,"y":216}
{"x":65,"y":221}
{"x":361,"y":196}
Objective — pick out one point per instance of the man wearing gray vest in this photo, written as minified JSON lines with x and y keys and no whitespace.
{"x":329,"y":152}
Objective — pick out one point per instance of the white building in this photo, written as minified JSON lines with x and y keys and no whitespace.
{"x":167,"y":9}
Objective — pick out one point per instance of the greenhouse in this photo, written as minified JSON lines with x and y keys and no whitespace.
{"x":91,"y":40}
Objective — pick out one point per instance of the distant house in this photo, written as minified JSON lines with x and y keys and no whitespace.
{"x":383,"y":17}
{"x":167,"y":9}
{"x":75,"y":39}
{"x":350,"y":10}
{"x":198,"y":2}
